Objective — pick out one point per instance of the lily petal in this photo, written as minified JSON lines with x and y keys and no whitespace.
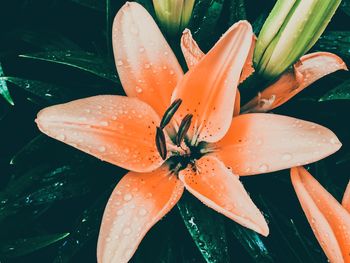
{"x":147,"y":67}
{"x":193,"y":54}
{"x":217,"y":187}
{"x":328,"y":219}
{"x":138,"y":202}
{"x":116,"y":129}
{"x":346,"y":198}
{"x":306,"y":71}
{"x":260,"y":142}
{"x":190,"y":49}
{"x":248,"y":68}
{"x":208,"y":89}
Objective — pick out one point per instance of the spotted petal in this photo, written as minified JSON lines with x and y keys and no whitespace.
{"x":138,"y":202}
{"x":216,"y":186}
{"x":346,"y":198}
{"x":208,"y":89}
{"x":328,"y":219}
{"x":260,"y":142}
{"x":306,"y":71}
{"x":116,"y":129}
{"x":147,"y":67}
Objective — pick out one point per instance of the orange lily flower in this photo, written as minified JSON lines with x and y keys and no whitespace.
{"x":196,"y":145}
{"x":329,"y":220}
{"x":307,"y":70}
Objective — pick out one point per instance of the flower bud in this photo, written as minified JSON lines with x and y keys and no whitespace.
{"x":174,"y":15}
{"x":290,"y":30}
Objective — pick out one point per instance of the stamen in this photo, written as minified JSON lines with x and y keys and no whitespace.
{"x":161,"y":143}
{"x":169,"y":113}
{"x":183,"y":129}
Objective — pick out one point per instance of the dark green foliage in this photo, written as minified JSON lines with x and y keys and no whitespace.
{"x":52,"y":196}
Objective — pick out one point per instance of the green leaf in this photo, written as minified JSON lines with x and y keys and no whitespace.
{"x":41,"y":185}
{"x":23,"y":246}
{"x":3,"y":88}
{"x":43,"y":39}
{"x":345,"y":6}
{"x":335,"y":41}
{"x":252,"y":243}
{"x":36,"y":147}
{"x":205,"y":18}
{"x":87,"y":228}
{"x":237,"y":11}
{"x":342,"y":92}
{"x":81,"y":60}
{"x":344,"y":159}
{"x":206,"y":228}
{"x":49,"y":93}
{"x":98,"y":5}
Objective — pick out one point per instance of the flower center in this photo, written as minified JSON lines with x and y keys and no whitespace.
{"x":183,"y":151}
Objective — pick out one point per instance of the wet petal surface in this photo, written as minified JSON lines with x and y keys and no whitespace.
{"x":208,"y":90}
{"x":147,"y":67}
{"x":116,"y":129}
{"x":259,"y":143}
{"x":217,"y":187}
{"x":138,"y":202}
{"x":330,"y":222}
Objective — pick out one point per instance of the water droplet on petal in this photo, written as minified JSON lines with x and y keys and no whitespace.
{"x":104,"y":123}
{"x":263,"y":168}
{"x":119,"y":63}
{"x":126,"y":150}
{"x":127,"y":231}
{"x":143,"y":212}
{"x":138,"y":89}
{"x":102,"y":149}
{"x":287,"y":157}
{"x":127,"y":197}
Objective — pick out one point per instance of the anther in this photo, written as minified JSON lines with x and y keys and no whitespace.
{"x":169,"y":113}
{"x":161,"y":143}
{"x":183,"y":128}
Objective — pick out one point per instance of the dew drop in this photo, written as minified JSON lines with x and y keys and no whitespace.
{"x":138,"y":89}
{"x":120,"y":212}
{"x":141,"y":49}
{"x":127,"y":197}
{"x":286,"y":157}
{"x":263,"y":168}
{"x":147,"y":65}
{"x":143,"y":212}
{"x":127,"y":231}
{"x":101,"y":149}
{"x":126,"y":150}
{"x":119,"y":63}
{"x":104,"y":123}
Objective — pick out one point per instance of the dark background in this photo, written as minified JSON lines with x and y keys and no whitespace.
{"x":48,"y":189}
